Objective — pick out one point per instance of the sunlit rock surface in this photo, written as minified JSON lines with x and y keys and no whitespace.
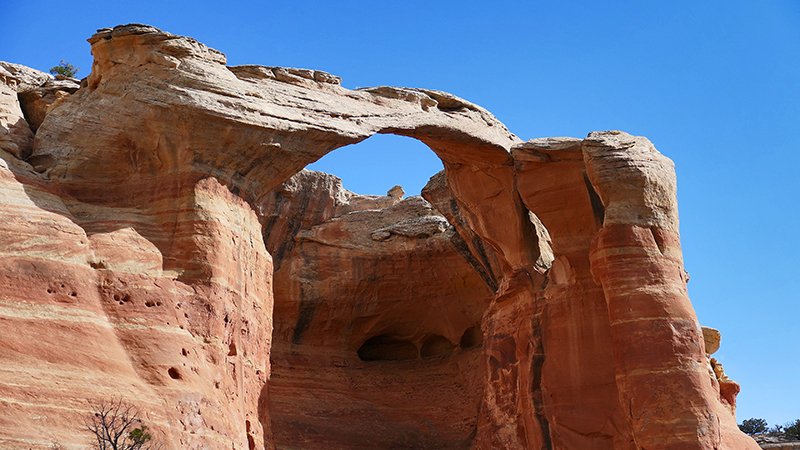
{"x":160,"y":243}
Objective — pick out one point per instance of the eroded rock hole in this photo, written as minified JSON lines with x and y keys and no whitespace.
{"x":232,"y":349}
{"x":174,"y":374}
{"x":391,"y":275}
{"x":385,"y":160}
{"x":387,"y":348}
{"x":472,"y":337}
{"x":436,"y":345}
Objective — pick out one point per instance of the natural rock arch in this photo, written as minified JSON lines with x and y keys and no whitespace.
{"x":184,"y":151}
{"x":152,"y":160}
{"x":260,"y":138}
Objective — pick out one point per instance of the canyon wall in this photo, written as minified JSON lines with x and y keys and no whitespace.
{"x":161,"y":244}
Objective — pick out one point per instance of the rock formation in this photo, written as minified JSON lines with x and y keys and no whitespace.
{"x":160,"y":243}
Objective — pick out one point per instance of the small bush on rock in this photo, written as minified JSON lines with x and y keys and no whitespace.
{"x":65,"y":68}
{"x":792,"y":430}
{"x":753,"y":426}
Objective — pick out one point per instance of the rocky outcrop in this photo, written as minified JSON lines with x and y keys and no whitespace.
{"x":25,"y":77}
{"x":377,"y":322}
{"x":728,"y":389}
{"x":660,"y":362}
{"x":578,"y":399}
{"x":37,"y":102}
{"x":89,"y":314}
{"x":160,"y":243}
{"x":775,"y":443}
{"x":26,"y":96}
{"x":16,"y":137}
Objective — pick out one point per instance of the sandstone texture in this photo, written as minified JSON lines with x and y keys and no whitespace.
{"x":775,"y":443}
{"x":374,"y":346}
{"x":16,"y":137}
{"x":161,"y":243}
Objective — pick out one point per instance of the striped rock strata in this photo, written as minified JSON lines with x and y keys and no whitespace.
{"x":535,"y":299}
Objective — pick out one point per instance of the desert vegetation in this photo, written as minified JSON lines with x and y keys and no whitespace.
{"x":117,"y":425}
{"x":789,"y":431}
{"x":65,"y":68}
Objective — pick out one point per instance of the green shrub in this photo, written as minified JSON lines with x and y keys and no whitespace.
{"x":792,"y":430}
{"x":753,"y":426}
{"x":65,"y":68}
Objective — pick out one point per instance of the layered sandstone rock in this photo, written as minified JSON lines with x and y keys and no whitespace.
{"x":659,"y":353}
{"x":535,"y":298}
{"x":579,"y":400}
{"x":38,"y":101}
{"x":377,"y":322}
{"x":89,"y":314}
{"x":15,"y":134}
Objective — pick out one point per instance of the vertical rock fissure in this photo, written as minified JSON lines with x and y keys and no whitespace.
{"x":463,"y":250}
{"x":598,"y":208}
{"x":537,"y":365}
{"x":479,"y":250}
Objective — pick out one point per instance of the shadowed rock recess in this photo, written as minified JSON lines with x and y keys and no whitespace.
{"x":161,"y":243}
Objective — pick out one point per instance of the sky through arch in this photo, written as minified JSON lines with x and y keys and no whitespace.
{"x":380,"y":162}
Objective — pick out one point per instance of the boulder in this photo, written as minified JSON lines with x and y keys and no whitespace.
{"x":712,"y":338}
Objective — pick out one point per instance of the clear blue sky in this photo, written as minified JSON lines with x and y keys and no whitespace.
{"x":714,"y":84}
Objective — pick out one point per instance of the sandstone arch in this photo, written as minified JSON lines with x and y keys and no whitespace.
{"x":159,"y":170}
{"x":184,"y":152}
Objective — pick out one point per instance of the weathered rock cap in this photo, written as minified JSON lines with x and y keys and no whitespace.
{"x":153,"y":33}
{"x":36,"y":103}
{"x":712,"y":338}
{"x":550,"y":149}
{"x":24,"y":78}
{"x":636,"y":183}
{"x":286,"y":74}
{"x":137,"y":44}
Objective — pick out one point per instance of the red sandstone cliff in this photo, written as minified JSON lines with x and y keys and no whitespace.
{"x":159,"y":243}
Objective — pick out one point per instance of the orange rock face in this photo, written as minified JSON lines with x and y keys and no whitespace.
{"x":160,"y":243}
{"x":377,"y":323}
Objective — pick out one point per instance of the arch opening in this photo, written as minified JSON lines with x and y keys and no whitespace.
{"x":383,"y":288}
{"x":375,"y":165}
